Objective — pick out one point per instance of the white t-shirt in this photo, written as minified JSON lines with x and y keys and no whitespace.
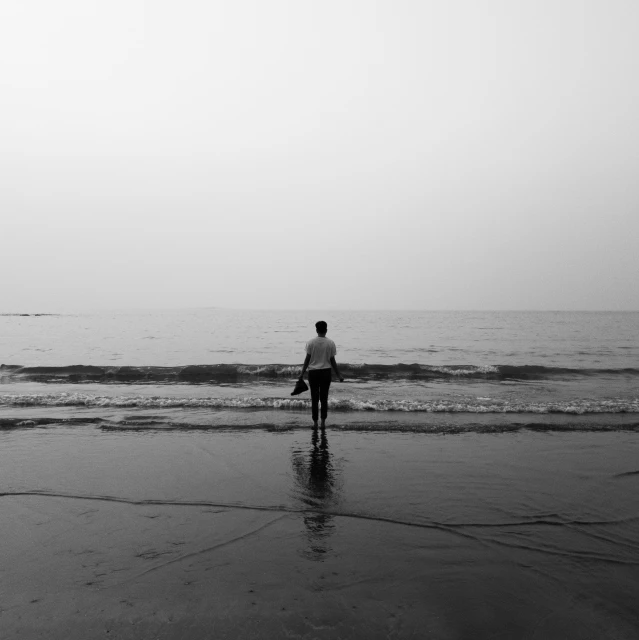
{"x":321,"y":351}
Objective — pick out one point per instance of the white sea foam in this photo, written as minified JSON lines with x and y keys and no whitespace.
{"x":465,"y":371}
{"x":577,"y":407}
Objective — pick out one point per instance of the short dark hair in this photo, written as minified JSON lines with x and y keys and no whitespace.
{"x":321,"y":326}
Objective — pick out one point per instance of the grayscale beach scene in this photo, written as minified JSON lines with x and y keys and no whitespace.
{"x":319,"y":321}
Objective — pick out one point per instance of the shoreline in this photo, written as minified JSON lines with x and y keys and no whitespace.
{"x":131,"y":418}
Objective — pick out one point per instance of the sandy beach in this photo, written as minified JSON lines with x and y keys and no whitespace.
{"x":261,"y":534}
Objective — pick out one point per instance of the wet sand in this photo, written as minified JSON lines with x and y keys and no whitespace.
{"x":233,"y":534}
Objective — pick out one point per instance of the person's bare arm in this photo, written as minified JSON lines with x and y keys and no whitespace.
{"x":305,"y":366}
{"x":334,"y":365}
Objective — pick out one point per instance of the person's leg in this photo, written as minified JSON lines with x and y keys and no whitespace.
{"x":325,"y":384}
{"x":314,"y":384}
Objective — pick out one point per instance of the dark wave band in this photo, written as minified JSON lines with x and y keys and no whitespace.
{"x":250,"y":372}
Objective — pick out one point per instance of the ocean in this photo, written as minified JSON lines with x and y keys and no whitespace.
{"x":477,"y":477}
{"x":412,"y":370}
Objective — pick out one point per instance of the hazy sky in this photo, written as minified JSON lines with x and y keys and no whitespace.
{"x":444,"y":154}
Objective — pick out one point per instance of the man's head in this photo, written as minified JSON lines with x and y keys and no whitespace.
{"x":321,"y":327}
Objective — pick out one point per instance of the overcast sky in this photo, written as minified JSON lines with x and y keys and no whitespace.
{"x":443,"y":154}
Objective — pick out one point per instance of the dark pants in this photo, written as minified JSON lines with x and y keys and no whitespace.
{"x":319,"y":380}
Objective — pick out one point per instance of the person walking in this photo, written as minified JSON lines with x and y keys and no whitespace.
{"x":320,"y":358}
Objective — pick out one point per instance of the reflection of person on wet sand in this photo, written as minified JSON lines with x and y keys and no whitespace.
{"x":316,"y":487}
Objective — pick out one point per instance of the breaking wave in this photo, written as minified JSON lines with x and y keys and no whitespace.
{"x":576,"y":407}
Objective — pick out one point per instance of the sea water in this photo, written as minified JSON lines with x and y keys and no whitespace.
{"x":403,"y":369}
{"x":539,"y":364}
